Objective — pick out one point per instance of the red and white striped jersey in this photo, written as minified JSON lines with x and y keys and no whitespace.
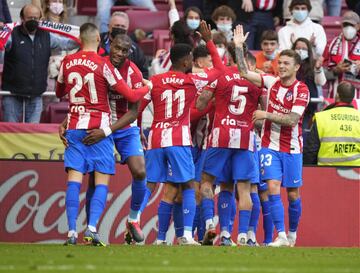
{"x":172,"y":95}
{"x":201,"y":124}
{"x":85,"y":77}
{"x":118,"y":104}
{"x":284,"y":100}
{"x":235,"y":101}
{"x":265,"y":4}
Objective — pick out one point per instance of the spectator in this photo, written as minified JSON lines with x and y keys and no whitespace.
{"x":334,"y":136}
{"x":52,"y":10}
{"x":267,"y":58}
{"x":301,"y":26}
{"x":224,"y":17}
{"x":192,"y":17}
{"x":104,"y":11}
{"x":354,"y":5}
{"x":27,"y":54}
{"x":266,"y":15}
{"x":316,"y":13}
{"x":221,"y":46}
{"x":311,"y":73}
{"x":119,"y":24}
{"x":333,"y":7}
{"x":193,"y":3}
{"x":180,"y":33}
{"x":5,"y":16}
{"x":342,"y":55}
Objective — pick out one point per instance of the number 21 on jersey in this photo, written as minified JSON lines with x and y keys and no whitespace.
{"x":79,"y":82}
{"x":169,"y":98}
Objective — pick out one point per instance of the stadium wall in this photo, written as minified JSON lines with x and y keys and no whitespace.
{"x":32,"y":196}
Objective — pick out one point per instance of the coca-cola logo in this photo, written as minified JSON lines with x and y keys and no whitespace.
{"x":33,"y":207}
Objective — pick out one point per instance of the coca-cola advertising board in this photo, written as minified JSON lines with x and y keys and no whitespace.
{"x":32,"y":205}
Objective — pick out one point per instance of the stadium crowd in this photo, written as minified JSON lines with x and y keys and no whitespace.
{"x":234,"y":92}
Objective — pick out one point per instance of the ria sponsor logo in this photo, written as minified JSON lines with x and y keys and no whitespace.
{"x":228,"y":121}
{"x":77,"y":109}
{"x":164,"y":125}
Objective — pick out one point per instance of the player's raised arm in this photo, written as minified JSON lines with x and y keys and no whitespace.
{"x":205,"y":31}
{"x":239,"y":40}
{"x":119,"y":85}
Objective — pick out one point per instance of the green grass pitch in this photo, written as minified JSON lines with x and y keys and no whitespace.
{"x":121,"y":258}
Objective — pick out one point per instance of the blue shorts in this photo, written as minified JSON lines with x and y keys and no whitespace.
{"x":83,"y":158}
{"x":241,"y":162}
{"x":127,"y":143}
{"x":173,"y":164}
{"x":199,"y":159}
{"x":281,"y":166}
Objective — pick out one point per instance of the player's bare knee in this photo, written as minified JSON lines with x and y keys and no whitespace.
{"x":188,"y":185}
{"x":206,"y":191}
{"x":293,"y":194}
{"x":139,"y":174}
{"x":264,"y":196}
{"x":227,"y":187}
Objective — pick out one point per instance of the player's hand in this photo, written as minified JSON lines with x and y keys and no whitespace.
{"x":62,"y":132}
{"x":143,"y":140}
{"x":159,"y":53}
{"x":258,"y":115}
{"x":239,"y":37}
{"x":172,"y":4}
{"x":147,"y":83}
{"x":94,"y":135}
{"x":319,"y":62}
{"x":313,"y":40}
{"x":247,"y":6}
{"x":205,"y":31}
{"x":342,"y":67}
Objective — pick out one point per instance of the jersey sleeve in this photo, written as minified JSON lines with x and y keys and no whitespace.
{"x":301,"y":100}
{"x":136,"y":78}
{"x":118,"y":84}
{"x":267,"y":80}
{"x":204,"y":78}
{"x":60,"y":84}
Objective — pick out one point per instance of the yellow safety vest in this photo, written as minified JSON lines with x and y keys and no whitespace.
{"x":339,"y":134}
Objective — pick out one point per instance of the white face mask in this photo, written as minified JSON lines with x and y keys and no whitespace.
{"x":270,"y":56}
{"x":349,"y":32}
{"x":224,"y":27}
{"x":303,"y":53}
{"x":221,"y":51}
{"x":56,"y":8}
{"x":300,"y":15}
{"x":193,"y":23}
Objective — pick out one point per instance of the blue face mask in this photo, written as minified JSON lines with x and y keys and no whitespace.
{"x":270,"y":56}
{"x":193,"y":23}
{"x":300,"y":15}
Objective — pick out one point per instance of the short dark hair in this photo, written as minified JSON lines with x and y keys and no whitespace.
{"x":181,"y":33}
{"x":346,"y":92}
{"x":269,"y":35}
{"x":300,"y":2}
{"x":88,"y":32}
{"x":179,"y":51}
{"x":224,"y":11}
{"x":292,"y":54}
{"x":195,"y":9}
{"x":200,"y":52}
{"x":219,"y":38}
{"x":123,"y":37}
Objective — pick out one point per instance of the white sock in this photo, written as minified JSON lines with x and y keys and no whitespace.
{"x":209,"y":222}
{"x":72,"y":233}
{"x":242,"y":235}
{"x":225,"y":233}
{"x":92,"y":228}
{"x":251,"y":235}
{"x":187,"y":234}
{"x":292,"y":234}
{"x":282,"y":234}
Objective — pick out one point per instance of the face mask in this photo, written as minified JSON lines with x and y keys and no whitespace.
{"x":224,"y":27}
{"x":193,"y":23}
{"x":349,"y":32}
{"x":302,"y":53}
{"x":56,"y":8}
{"x":117,"y":30}
{"x":270,"y":56}
{"x":31,"y":25}
{"x":221,"y":51}
{"x":300,"y":15}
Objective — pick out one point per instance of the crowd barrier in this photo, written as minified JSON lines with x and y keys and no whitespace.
{"x":33,"y":182}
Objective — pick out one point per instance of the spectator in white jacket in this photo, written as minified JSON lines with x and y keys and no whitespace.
{"x":301,"y":26}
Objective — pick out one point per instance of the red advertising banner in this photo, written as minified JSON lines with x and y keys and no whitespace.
{"x":32,"y":202}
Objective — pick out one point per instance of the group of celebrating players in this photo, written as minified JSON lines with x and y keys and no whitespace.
{"x":204,"y":133}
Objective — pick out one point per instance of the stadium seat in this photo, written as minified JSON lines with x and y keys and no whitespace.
{"x":56,"y":112}
{"x":148,"y":46}
{"x":148,"y":20}
{"x":86,"y":7}
{"x":161,"y":36}
{"x":332,"y":26}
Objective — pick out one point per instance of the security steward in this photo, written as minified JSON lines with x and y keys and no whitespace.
{"x":335,"y":135}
